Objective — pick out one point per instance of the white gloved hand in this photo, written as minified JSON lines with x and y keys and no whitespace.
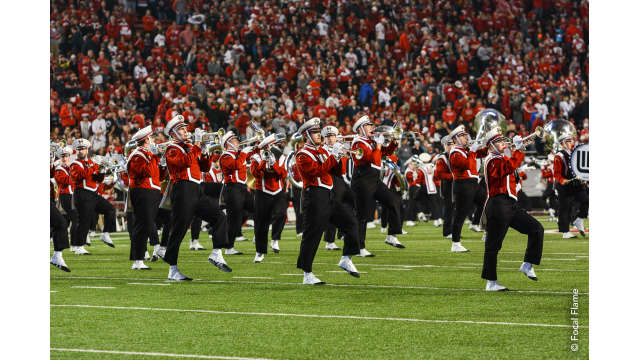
{"x":197,"y":135}
{"x":474,"y":147}
{"x":379,"y":139}
{"x":338,"y":150}
{"x":163,"y":162}
{"x":517,"y":141}
{"x":247,"y":150}
{"x":153,"y":147}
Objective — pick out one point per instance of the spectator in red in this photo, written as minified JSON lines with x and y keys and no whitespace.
{"x":449,"y":116}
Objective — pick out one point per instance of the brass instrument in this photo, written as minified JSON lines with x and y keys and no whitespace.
{"x":485,"y":121}
{"x":162,"y":147}
{"x":390,"y":133}
{"x":212,"y":148}
{"x":296,"y":139}
{"x":357,"y":153}
{"x":538,"y":132}
{"x":289,"y":163}
{"x":395,"y":169}
{"x":556,"y":129}
{"x":258,"y":137}
{"x":213,"y":136}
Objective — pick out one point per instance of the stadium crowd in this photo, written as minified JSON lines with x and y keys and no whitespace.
{"x":117,"y":66}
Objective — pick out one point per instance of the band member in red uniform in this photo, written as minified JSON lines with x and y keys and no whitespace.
{"x":267,"y":172}
{"x":234,"y":191}
{"x":570,"y":190}
{"x":295,"y":183}
{"x":185,"y":162}
{"x":430,"y":191}
{"x":65,"y":195}
{"x":86,"y":179}
{"x":144,"y":190}
{"x":59,"y":226}
{"x":549,"y":194}
{"x":278,"y":220}
{"x":465,"y":181}
{"x":502,"y":211}
{"x":211,"y":186}
{"x":392,"y":182}
{"x":366,"y":182}
{"x":415,"y":179}
{"x":123,"y":183}
{"x":443,"y":174}
{"x":318,"y":205}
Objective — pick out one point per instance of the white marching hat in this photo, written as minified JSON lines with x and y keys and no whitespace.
{"x":176,"y":122}
{"x":312,"y":124}
{"x":494,"y":135}
{"x":78,"y":143}
{"x":457,"y":131}
{"x":445,"y":140}
{"x":362,"y":121}
{"x":424,"y":157}
{"x":226,"y":137}
{"x":65,"y":150}
{"x":142,"y":134}
{"x":329,"y":130}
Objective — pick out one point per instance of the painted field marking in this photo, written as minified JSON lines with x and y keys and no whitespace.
{"x":191,"y":356}
{"x":319,"y":316}
{"x":253,"y":277}
{"x":344,"y":272}
{"x":336,"y":285}
{"x":290,"y":274}
{"x":53,"y":291}
{"x":93,"y":287}
{"x":154,"y":284}
{"x":390,"y":269}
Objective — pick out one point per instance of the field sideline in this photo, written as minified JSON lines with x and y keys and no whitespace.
{"x":416,"y":303}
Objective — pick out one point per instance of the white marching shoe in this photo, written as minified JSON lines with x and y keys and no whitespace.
{"x":579,"y":224}
{"x":371,"y":225}
{"x":383,"y":230}
{"x":80,"y":250}
{"x":552,"y":214}
{"x":331,"y":246}
{"x":347,"y":265}
{"x":450,"y":236}
{"x":492,"y":285}
{"x":250,"y":223}
{"x":58,"y":261}
{"x":484,"y":237}
{"x":106,"y":238}
{"x":176,"y":275}
{"x":232,"y":251}
{"x":274,"y":246}
{"x":475,"y":228}
{"x":422,"y":217}
{"x":299,"y":235}
{"x":216,"y":259}
{"x":404,"y":232}
{"x":88,"y":241}
{"x":159,"y":252}
{"x":393,"y":241}
{"x":139,"y":265}
{"x":259,"y":257}
{"x":457,"y":247}
{"x":438,"y":222}
{"x":241,"y":238}
{"x":195,"y":245}
{"x":310,"y":279}
{"x":92,"y":233}
{"x":365,"y":253}
{"x":527,"y":269}
{"x":409,"y":223}
{"x":568,"y":235}
{"x":146,"y":255}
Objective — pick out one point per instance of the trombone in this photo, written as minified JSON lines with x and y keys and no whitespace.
{"x":257,"y":138}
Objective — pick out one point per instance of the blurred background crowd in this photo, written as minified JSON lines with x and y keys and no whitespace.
{"x":117,"y":66}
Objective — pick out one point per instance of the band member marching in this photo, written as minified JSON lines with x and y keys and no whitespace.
{"x":234,"y":192}
{"x":65,"y":196}
{"x":86,"y":178}
{"x":144,"y":190}
{"x":366,"y":182}
{"x":570,"y":189}
{"x":59,"y":226}
{"x":318,"y":205}
{"x":502,"y":210}
{"x":443,"y":174}
{"x":391,"y":180}
{"x":184,"y":162}
{"x":295,"y":184}
{"x":279,"y":219}
{"x":268,"y":173}
{"x":430,"y":191}
{"x":465,"y":181}
{"x":211,"y":186}
{"x":415,"y":179}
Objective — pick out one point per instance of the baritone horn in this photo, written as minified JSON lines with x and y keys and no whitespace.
{"x":538,"y":132}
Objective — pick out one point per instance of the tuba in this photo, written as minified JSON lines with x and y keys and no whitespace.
{"x":395,"y":169}
{"x":556,"y":129}
{"x":486,"y":120}
{"x":289,"y":163}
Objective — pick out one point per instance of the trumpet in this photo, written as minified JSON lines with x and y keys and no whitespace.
{"x":538,"y":132}
{"x":390,"y":133}
{"x":257,"y":138}
{"x":213,"y":136}
{"x":213,"y":148}
{"x":162,"y":147}
{"x":357,"y":153}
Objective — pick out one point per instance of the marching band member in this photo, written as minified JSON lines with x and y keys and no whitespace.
{"x":414,"y":179}
{"x":443,"y":174}
{"x":235,"y":194}
{"x":318,"y":206}
{"x":296,"y":192}
{"x":478,"y":200}
{"x":211,"y":186}
{"x":366,"y":183}
{"x":268,"y":173}
{"x":341,"y":192}
{"x":391,"y":181}
{"x":549,"y":195}
{"x":184,"y":162}
{"x":278,"y":220}
{"x":144,"y":190}
{"x":65,"y":195}
{"x":86,"y":178}
{"x":465,"y":181}
{"x":503,"y":211}
{"x":59,"y":226}
{"x":570,"y":190}
{"x":431,"y":196}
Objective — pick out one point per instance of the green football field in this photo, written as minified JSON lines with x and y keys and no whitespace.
{"x":422,"y":302}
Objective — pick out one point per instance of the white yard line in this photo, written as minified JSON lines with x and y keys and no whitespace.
{"x":93,"y":287}
{"x":353,"y":317}
{"x":191,"y":356}
{"x":336,"y":285}
{"x":253,"y":277}
{"x":390,"y":269}
{"x":344,"y":272}
{"x":290,"y":274}
{"x":150,"y":284}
